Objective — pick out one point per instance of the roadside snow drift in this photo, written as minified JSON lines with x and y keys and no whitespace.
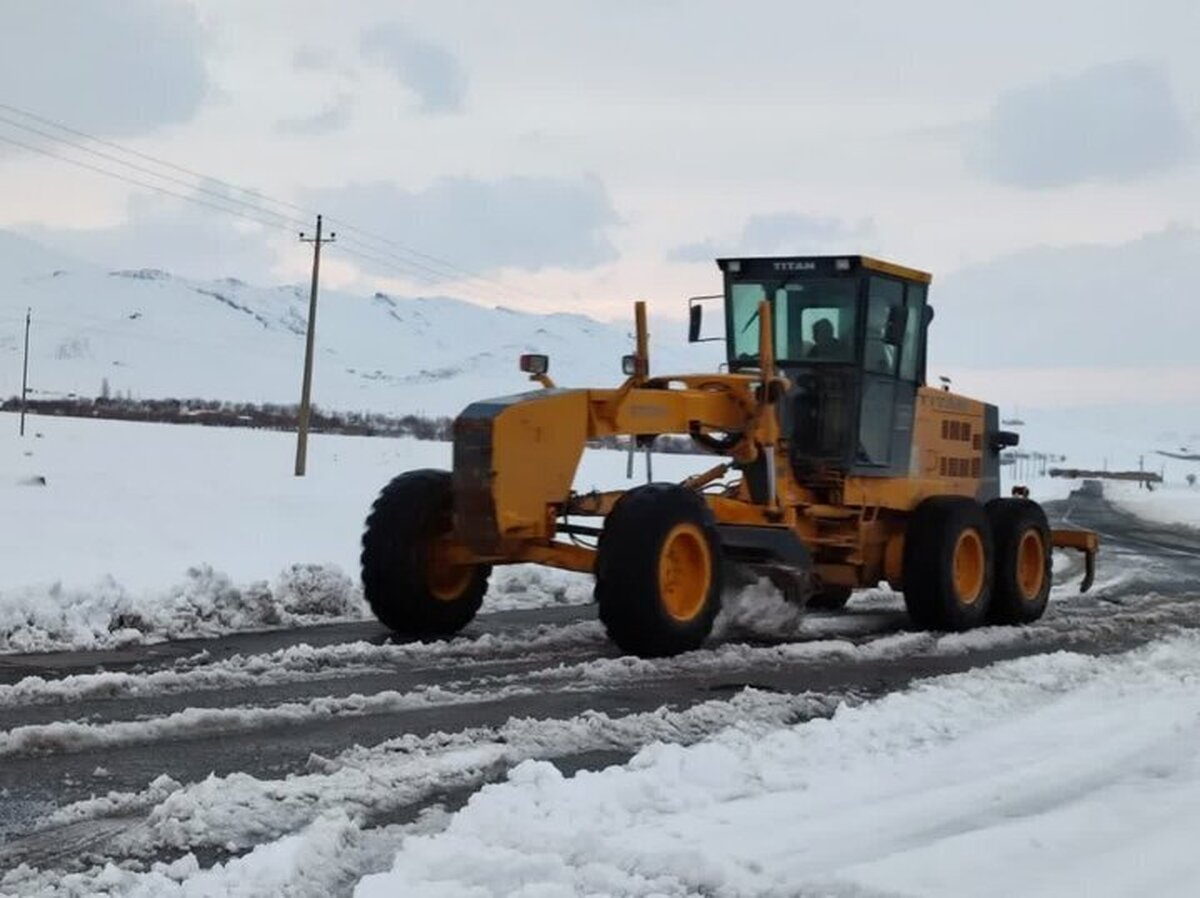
{"x":1173,"y":503}
{"x":205,"y":603}
{"x":1050,"y":775}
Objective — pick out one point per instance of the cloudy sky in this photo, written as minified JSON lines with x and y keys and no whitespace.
{"x":1042,"y":159}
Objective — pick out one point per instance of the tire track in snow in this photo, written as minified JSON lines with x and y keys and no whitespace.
{"x":79,"y":736}
{"x":371,"y":785}
{"x":584,"y":675}
{"x":300,"y":664}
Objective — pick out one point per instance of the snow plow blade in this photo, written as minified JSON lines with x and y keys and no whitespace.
{"x":1085,"y":541}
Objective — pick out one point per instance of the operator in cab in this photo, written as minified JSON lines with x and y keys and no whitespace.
{"x":825,"y":344}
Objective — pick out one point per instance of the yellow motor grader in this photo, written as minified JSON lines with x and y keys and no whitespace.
{"x":841,"y":470}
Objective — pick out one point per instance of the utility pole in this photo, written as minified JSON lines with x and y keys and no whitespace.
{"x":25,"y":370}
{"x":306,"y":389}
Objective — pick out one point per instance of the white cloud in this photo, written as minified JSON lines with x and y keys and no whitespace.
{"x":333,"y":117}
{"x":1099,"y":306}
{"x":116,"y":69}
{"x":429,"y":71}
{"x":1115,"y":122}
{"x":782,"y":233}
{"x":165,"y":233}
{"x":518,"y":222}
{"x":312,"y":59}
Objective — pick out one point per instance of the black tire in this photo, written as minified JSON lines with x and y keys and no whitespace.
{"x":411,"y":511}
{"x":938,"y":528}
{"x":1021,"y":570}
{"x":636,"y":611}
{"x":831,"y":598}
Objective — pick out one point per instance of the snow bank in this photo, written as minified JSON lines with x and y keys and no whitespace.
{"x":1047,"y":775}
{"x":525,"y":586}
{"x":324,"y":858}
{"x":205,"y":603}
{"x":1168,"y":504}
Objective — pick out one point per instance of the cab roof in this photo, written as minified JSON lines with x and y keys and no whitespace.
{"x":774,"y":266}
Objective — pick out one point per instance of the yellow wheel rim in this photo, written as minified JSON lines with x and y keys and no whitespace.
{"x":684,"y":572}
{"x":446,"y":581}
{"x":969,"y":564}
{"x":1031,"y":564}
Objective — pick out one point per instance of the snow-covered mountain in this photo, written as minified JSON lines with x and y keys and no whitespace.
{"x":158,"y":335}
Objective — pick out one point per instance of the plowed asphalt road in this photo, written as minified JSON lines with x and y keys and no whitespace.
{"x":243,"y":703}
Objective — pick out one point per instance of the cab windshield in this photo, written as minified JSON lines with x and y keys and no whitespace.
{"x":813,"y":320}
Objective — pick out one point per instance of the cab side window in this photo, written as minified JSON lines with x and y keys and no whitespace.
{"x":910,"y":352}
{"x":880,"y":356}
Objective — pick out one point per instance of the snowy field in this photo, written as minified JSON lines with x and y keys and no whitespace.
{"x":151,"y":531}
{"x":140,"y":504}
{"x":195,"y":530}
{"x":1056,"y":774}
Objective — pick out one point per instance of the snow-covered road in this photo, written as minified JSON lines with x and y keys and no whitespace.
{"x":1009,"y":780}
{"x":838,"y":754}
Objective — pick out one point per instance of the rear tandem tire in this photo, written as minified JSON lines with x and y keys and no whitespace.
{"x":948,"y":564}
{"x":1021,"y":576}
{"x":408,"y":588}
{"x":659,"y":571}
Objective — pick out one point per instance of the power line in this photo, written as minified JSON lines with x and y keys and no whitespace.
{"x":389,"y":264}
{"x":395,"y":265}
{"x":197,"y":188}
{"x":135,"y":182}
{"x":147,"y":157}
{"x":452,"y":272}
{"x":462,"y":272}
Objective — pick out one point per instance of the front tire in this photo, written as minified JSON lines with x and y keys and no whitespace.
{"x":406,"y":581}
{"x":1021,"y":584}
{"x":658,"y":571}
{"x":948,"y":564}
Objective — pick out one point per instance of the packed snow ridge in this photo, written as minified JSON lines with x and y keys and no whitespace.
{"x":205,"y":603}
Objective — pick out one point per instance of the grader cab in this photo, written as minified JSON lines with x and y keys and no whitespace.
{"x":842,"y":469}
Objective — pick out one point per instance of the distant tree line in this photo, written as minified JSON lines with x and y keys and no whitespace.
{"x":278,"y":416}
{"x":223,"y":413}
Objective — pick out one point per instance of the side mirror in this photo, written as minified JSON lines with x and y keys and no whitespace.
{"x":629,"y":365}
{"x":928,"y":315}
{"x":535,"y":364}
{"x":897,"y":321}
{"x":1002,"y":439}
{"x":696,"y":318}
